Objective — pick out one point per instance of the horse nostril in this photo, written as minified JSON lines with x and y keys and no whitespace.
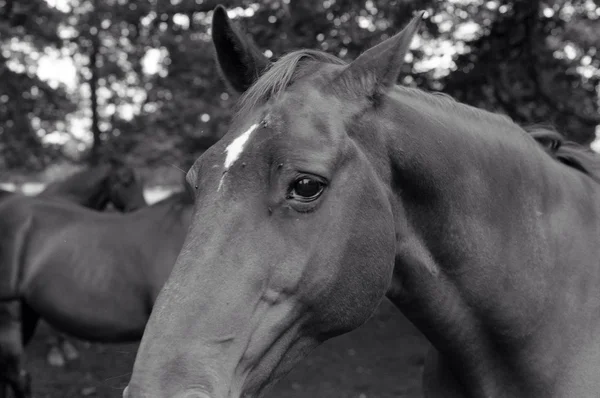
{"x":192,"y":394}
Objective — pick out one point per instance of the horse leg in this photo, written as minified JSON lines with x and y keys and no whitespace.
{"x":21,"y":385}
{"x":61,"y":350}
{"x":68,"y":348}
{"x":29,"y":322}
{"x":55,"y":356}
{"x":11,"y":351}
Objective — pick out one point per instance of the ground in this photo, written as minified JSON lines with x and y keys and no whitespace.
{"x":381,"y":359}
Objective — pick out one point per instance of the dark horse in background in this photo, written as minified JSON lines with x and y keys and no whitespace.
{"x":112,"y":183}
{"x":334,"y":188}
{"x":91,"y":275}
{"x":96,"y":187}
{"x":93,"y":188}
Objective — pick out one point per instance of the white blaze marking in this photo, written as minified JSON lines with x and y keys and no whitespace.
{"x":220,"y":182}
{"x":234,"y":150}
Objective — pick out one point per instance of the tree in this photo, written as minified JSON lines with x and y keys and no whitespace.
{"x":534,"y":60}
{"x":29,"y":107}
{"x":510,"y":62}
{"x":526,"y":66}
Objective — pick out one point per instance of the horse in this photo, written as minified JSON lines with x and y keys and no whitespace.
{"x":335,"y":187}
{"x":88,"y":274}
{"x":96,"y":187}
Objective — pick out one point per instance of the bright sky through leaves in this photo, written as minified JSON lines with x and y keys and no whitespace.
{"x":126,"y":93}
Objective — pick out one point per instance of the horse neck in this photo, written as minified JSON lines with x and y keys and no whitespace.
{"x":163,"y":224}
{"x":171,"y":212}
{"x":475,"y":268}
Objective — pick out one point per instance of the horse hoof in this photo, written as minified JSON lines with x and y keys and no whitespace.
{"x":70,"y":351}
{"x":55,"y":358}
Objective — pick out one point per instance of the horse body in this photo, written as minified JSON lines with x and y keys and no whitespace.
{"x":512,"y":300}
{"x":96,"y":187}
{"x":96,"y":258}
{"x":334,"y":188}
{"x":93,"y":188}
{"x":21,"y":215}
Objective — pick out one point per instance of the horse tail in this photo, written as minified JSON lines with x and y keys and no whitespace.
{"x":15,"y":226}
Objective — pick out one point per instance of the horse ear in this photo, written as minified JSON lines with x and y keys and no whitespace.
{"x":238,"y":60}
{"x":377,"y":69}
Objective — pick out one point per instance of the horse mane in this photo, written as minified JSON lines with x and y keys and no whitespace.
{"x":570,"y":153}
{"x":445,"y":101}
{"x":280,"y":75}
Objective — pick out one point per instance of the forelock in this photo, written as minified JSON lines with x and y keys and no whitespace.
{"x":280,"y":75}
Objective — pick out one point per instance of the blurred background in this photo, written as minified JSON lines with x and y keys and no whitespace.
{"x":83,"y":80}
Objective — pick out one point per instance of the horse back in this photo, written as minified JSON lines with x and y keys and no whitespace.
{"x":26,"y":222}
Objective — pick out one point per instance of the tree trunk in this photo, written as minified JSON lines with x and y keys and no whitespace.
{"x":96,"y":143}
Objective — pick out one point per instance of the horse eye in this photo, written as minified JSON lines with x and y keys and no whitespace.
{"x":306,"y":189}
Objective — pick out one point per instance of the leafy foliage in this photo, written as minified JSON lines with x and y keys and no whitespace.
{"x":29,"y":107}
{"x":159,"y":100}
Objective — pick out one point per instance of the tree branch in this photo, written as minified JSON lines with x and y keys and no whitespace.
{"x":93,"y":82}
{"x":509,"y":106}
{"x":188,"y":9}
